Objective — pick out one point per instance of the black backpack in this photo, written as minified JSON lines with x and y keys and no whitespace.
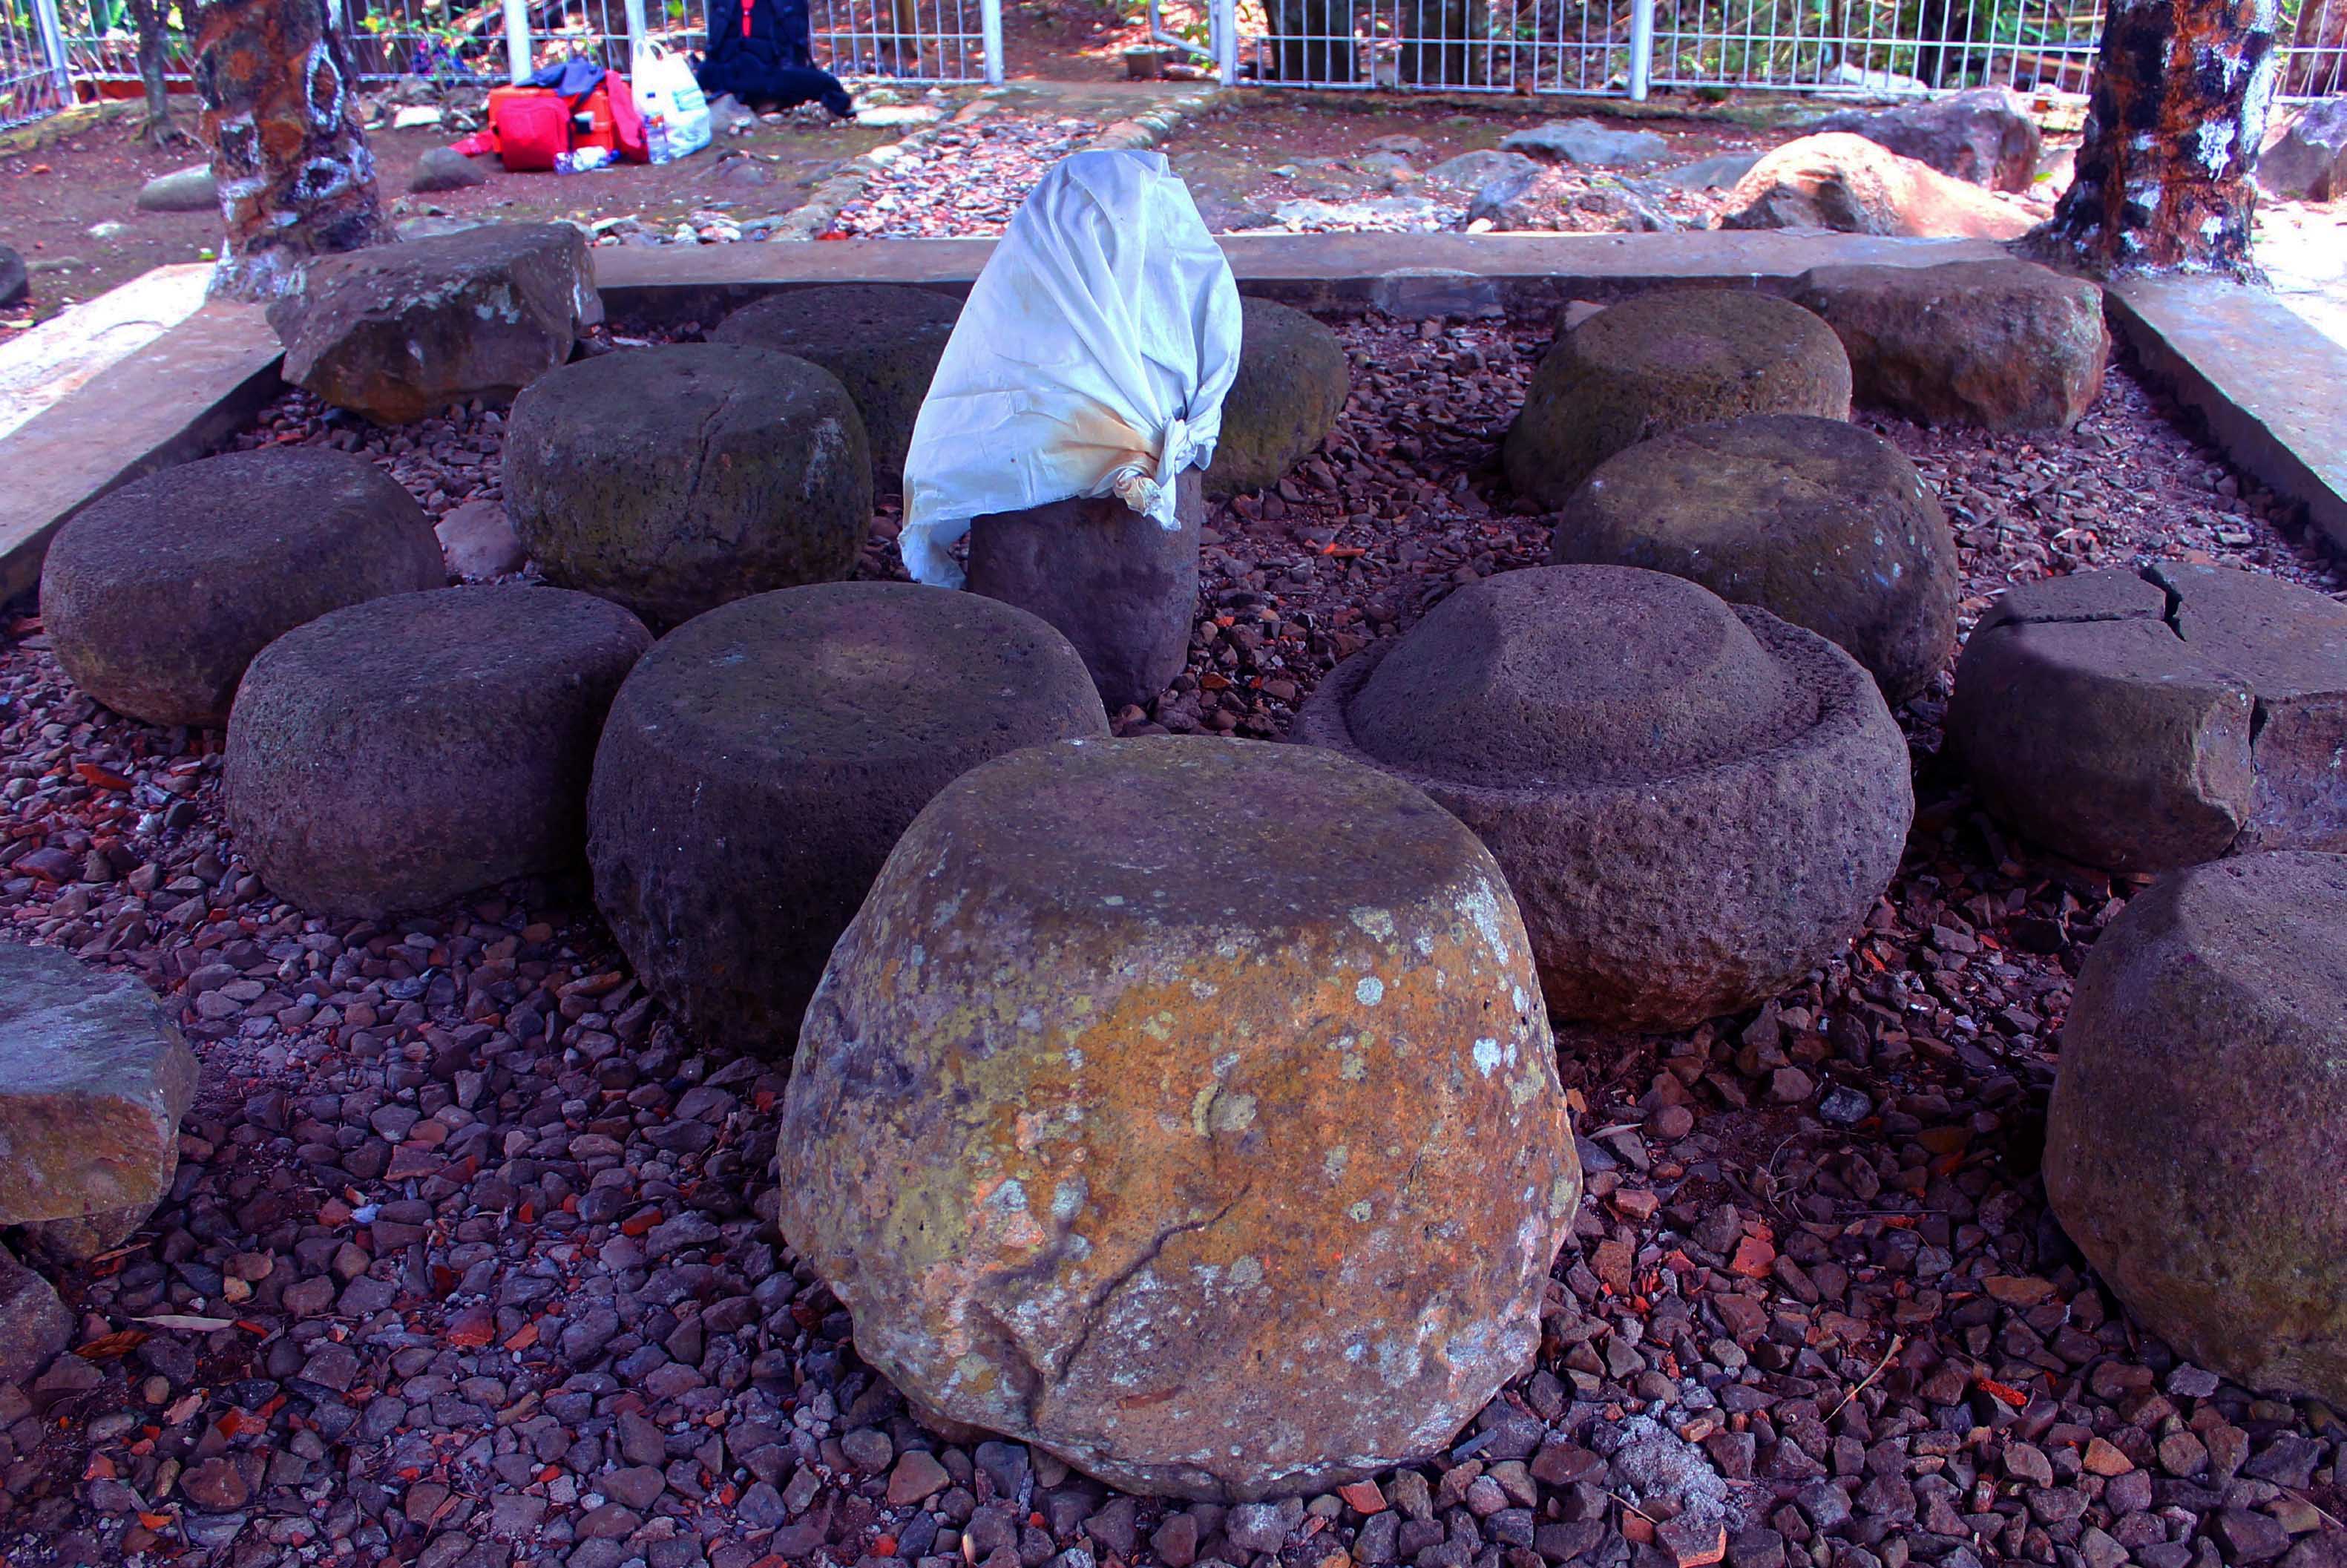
{"x":760,"y":52}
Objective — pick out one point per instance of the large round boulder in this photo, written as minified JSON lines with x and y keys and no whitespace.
{"x":1662,"y":361}
{"x":2003,"y":344}
{"x":2198,"y":1120}
{"x":399,"y":754}
{"x":1291,"y":385}
{"x":762,"y":760}
{"x":673,"y":479}
{"x":1855,"y":186}
{"x":1697,"y":804}
{"x":1185,"y":1108}
{"x":157,"y":595}
{"x":1119,"y":586}
{"x":882,"y":340}
{"x":1815,"y":520}
{"x":1983,"y":135}
{"x":2140,"y":721}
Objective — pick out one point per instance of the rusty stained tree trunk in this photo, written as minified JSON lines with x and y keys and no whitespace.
{"x":296,"y":178}
{"x":2178,"y":108}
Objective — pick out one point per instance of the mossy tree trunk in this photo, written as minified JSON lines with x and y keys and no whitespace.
{"x":296,"y":177}
{"x":2178,"y":108}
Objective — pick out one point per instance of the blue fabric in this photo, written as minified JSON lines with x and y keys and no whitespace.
{"x":574,"y":79}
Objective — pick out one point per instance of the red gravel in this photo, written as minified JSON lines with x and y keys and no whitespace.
{"x":494,"y":1245}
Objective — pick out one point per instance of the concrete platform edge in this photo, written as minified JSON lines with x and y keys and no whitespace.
{"x":2273,"y":390}
{"x":182,"y":393}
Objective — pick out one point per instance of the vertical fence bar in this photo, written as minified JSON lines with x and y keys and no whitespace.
{"x":989,"y":28}
{"x":517,"y":65}
{"x":1642,"y":48}
{"x":1222,"y":26}
{"x":636,"y":34}
{"x":53,"y":45}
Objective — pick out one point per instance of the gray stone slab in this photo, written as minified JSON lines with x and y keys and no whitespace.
{"x":2272,"y":389}
{"x":93,"y":1080}
{"x":1402,"y":274}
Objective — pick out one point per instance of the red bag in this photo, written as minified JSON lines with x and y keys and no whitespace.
{"x":627,"y":125}
{"x":532,"y":128}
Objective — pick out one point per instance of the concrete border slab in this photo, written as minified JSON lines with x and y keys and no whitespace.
{"x":2272,"y":389}
{"x":49,"y":363}
{"x":187,"y":389}
{"x":1404,"y":274}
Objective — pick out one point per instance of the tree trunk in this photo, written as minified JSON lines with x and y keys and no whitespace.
{"x":158,"y":128}
{"x":2178,"y":108}
{"x":1314,"y":40}
{"x":296,"y":178}
{"x":1452,"y":43}
{"x":1943,"y":29}
{"x":2318,"y":67}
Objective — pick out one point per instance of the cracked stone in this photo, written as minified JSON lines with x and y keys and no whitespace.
{"x":2141,"y":721}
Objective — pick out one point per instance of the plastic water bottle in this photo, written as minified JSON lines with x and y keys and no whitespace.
{"x":656,"y":139}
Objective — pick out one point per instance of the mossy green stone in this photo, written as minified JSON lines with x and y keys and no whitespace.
{"x":674,"y":479}
{"x":1292,"y":384}
{"x":1662,"y":361}
{"x":882,"y":340}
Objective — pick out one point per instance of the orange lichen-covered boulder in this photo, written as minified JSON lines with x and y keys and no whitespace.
{"x":1186,"y":1108}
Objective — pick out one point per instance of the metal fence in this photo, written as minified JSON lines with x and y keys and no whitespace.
{"x":34,"y":77}
{"x":490,"y":41}
{"x":53,"y":50}
{"x":1628,"y":46}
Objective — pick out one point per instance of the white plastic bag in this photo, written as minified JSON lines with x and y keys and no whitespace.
{"x":1092,"y":359}
{"x":664,"y":87}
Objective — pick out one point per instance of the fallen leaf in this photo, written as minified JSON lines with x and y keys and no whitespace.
{"x":186,"y":1321}
{"x":105,"y":1348}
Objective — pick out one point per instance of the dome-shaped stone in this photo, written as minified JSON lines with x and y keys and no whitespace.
{"x":157,"y":595}
{"x":1593,"y":677}
{"x":673,"y":479}
{"x":882,"y":340}
{"x":1185,"y":1107}
{"x":399,"y":754}
{"x":1695,"y":803}
{"x":2198,"y":1121}
{"x":762,"y":761}
{"x":2144,"y":720}
{"x":1815,"y":520}
{"x":1291,"y":385}
{"x":1662,"y":361}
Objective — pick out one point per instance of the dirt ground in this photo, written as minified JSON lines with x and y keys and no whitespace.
{"x":1241,"y":162}
{"x":1072,"y":40}
{"x":69,"y":207}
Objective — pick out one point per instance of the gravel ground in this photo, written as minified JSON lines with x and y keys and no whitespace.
{"x":471,"y":1261}
{"x":964,"y":181}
